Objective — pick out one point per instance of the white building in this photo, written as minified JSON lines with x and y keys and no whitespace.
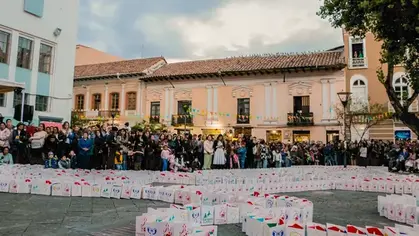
{"x":37,"y":47}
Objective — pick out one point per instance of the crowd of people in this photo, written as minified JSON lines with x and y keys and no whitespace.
{"x":109,"y":147}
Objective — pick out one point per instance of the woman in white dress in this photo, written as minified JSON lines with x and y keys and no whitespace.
{"x":219,"y":154}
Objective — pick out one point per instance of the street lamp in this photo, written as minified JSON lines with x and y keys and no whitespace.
{"x":113,"y":118}
{"x":344,"y":98}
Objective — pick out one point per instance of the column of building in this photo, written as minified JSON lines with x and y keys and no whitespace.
{"x":166,"y":105}
{"x":106,"y":98}
{"x":87,"y":99}
{"x":139,"y":102}
{"x":215,"y":104}
{"x":332,"y":99}
{"x":171,"y":102}
{"x":268,"y":101}
{"x":274,"y":100}
{"x":210,"y":93}
{"x":123,"y":95}
{"x":325,"y":99}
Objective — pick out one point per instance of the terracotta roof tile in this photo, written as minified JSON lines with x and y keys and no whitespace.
{"x":251,"y":63}
{"x":112,"y":68}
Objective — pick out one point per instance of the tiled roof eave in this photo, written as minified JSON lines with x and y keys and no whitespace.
{"x":243,"y":72}
{"x":110,"y":76}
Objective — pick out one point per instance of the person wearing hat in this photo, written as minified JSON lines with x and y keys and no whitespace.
{"x":18,"y":144}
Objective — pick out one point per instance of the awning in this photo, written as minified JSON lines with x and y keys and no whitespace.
{"x":52,"y":124}
{"x":43,"y":119}
{"x":9,"y":86}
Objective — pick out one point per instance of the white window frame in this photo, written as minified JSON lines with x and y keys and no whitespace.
{"x":363,"y":79}
{"x":351,"y":38}
{"x":31,"y":60}
{"x":51,"y":69}
{"x":398,"y":75}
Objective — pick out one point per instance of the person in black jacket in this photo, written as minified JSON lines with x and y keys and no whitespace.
{"x":250,"y":144}
{"x":19,"y":140}
{"x":98,"y":152}
{"x":113,"y":147}
{"x":51,"y":144}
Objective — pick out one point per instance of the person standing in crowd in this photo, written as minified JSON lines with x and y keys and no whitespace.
{"x":363,"y":153}
{"x":165,"y":155}
{"x":9,"y":124}
{"x":85,"y":151}
{"x":4,"y":136}
{"x":6,"y":157}
{"x":241,"y":153}
{"x":122,"y":142}
{"x":208,"y":152}
{"x":264,"y":154}
{"x":37,"y":143}
{"x":219,"y":154}
{"x":98,"y":151}
{"x":113,"y":147}
{"x":18,"y":144}
{"x":68,"y":136}
{"x":277,"y":157}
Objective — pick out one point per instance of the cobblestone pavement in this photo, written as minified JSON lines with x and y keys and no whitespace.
{"x":25,"y":214}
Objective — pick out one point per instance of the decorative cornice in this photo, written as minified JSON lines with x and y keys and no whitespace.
{"x":300,"y":88}
{"x":242,"y":91}
{"x":154,"y":95}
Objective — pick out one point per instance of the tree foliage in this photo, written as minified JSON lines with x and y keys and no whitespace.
{"x":396,"y":24}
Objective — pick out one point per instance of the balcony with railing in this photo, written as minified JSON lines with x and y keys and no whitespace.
{"x":300,"y":119}
{"x":92,"y":114}
{"x":179,"y":120}
{"x":243,"y":119}
{"x":79,"y":113}
{"x":359,"y":62}
{"x":154,"y":119}
{"x":109,"y":113}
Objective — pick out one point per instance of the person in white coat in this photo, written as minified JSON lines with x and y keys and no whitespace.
{"x":208,"y":151}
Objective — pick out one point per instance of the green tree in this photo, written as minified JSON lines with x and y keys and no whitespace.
{"x":396,"y":24}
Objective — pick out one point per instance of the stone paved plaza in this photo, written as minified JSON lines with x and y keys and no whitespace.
{"x":25,"y":214}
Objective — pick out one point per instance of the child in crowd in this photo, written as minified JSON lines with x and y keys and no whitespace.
{"x":6,"y":157}
{"x":73,"y":159}
{"x":195,"y":165}
{"x":165,"y":155}
{"x":64,"y":163}
{"x":118,"y":160}
{"x":137,"y":157}
{"x":52,"y":161}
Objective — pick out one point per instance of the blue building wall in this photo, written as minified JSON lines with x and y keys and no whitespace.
{"x":43,"y":84}
{"x":23,"y":76}
{"x":4,"y":71}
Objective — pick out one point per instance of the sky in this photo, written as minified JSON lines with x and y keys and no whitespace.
{"x":182,"y":30}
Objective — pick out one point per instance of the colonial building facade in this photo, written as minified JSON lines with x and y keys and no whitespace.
{"x":363,"y":59}
{"x":275,"y":97}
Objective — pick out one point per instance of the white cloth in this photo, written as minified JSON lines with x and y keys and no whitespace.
{"x":219,"y":156}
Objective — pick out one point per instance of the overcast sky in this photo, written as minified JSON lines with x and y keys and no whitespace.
{"x":195,"y":29}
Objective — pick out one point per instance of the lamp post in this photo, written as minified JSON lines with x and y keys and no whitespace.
{"x":344,"y":98}
{"x":113,"y":117}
